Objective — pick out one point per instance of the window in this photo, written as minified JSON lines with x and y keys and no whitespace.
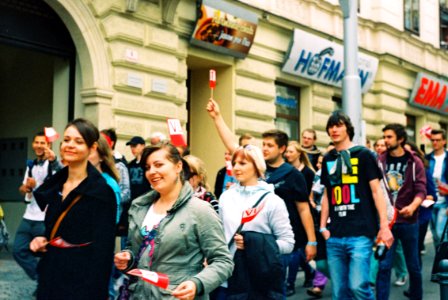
{"x":412,"y":16}
{"x":444,"y":126}
{"x":337,"y":102}
{"x":287,"y":110}
{"x":444,"y":24}
{"x":411,"y":124}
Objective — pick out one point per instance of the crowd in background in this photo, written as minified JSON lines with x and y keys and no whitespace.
{"x":273,"y":209}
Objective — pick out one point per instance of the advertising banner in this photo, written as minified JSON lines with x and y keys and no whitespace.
{"x":224,"y":28}
{"x":319,"y":59}
{"x":429,"y":93}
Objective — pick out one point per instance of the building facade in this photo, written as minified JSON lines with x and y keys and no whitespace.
{"x":133,"y":64}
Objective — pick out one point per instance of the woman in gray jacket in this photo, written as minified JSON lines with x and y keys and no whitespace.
{"x":172,"y":232}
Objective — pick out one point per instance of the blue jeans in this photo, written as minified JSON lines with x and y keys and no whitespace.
{"x":21,"y":252}
{"x":298,"y":258}
{"x":438,"y":220}
{"x":349,"y":262}
{"x":408,"y":235}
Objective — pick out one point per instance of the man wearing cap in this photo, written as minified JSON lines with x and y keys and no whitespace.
{"x":139,"y":184}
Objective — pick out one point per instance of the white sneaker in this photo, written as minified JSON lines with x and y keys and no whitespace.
{"x":400,"y":281}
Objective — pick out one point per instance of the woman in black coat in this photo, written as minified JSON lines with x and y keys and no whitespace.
{"x":81,"y":268}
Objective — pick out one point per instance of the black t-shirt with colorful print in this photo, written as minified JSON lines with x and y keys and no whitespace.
{"x":351,"y":205}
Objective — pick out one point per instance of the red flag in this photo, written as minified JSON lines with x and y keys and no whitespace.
{"x":212,"y":79}
{"x":229,"y":167}
{"x":158,"y":279}
{"x":176,"y":133}
{"x":443,"y":188}
{"x":50,"y":134}
{"x":425,"y":131}
{"x":59,"y":242}
{"x":251,"y":213}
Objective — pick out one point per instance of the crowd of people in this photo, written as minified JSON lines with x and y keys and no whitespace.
{"x":92,"y":217}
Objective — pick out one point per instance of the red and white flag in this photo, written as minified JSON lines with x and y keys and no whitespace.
{"x":425,"y":131}
{"x":229,"y":167}
{"x":158,"y":279}
{"x":176,"y":132}
{"x":50,"y":134}
{"x":212,"y":79}
{"x":251,"y":213}
{"x":59,"y":242}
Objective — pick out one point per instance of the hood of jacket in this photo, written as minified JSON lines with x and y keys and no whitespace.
{"x":253,"y":189}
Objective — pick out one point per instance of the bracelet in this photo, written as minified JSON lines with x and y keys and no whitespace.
{"x":312,"y":243}
{"x":322,"y":229}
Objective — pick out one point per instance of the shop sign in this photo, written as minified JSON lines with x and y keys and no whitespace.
{"x":225,"y":28}
{"x":430,"y":93}
{"x":319,"y":59}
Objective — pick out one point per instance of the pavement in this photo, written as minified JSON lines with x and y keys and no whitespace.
{"x":15,"y":284}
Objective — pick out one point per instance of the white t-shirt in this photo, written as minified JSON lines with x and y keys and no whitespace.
{"x":438,"y":168}
{"x":152,"y":219}
{"x":39,"y":173}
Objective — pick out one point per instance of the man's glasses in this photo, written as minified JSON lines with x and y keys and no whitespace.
{"x":436,"y":140}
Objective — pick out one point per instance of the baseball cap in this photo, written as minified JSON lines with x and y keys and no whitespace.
{"x":135,"y":141}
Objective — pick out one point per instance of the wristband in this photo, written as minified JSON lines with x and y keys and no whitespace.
{"x":322,"y":229}
{"x":312,"y":243}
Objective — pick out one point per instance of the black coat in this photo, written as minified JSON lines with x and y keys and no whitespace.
{"x":258,"y":272}
{"x":219,"y":182}
{"x":82,"y":272}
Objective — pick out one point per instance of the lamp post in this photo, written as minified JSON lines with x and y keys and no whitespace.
{"x":351,"y":83}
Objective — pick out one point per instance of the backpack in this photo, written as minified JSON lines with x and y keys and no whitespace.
{"x":31,"y":163}
{"x":4,"y":234}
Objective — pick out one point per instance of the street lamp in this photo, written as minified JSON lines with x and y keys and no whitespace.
{"x":351,"y":83}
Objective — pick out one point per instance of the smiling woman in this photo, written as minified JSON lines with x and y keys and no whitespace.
{"x":80,"y":211}
{"x":173,"y":232}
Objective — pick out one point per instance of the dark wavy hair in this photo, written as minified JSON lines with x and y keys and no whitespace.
{"x":88,"y":131}
{"x":338,"y":118}
{"x":399,"y":130}
{"x":172,"y":154}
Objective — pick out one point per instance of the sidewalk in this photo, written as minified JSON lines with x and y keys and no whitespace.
{"x":15,"y":285}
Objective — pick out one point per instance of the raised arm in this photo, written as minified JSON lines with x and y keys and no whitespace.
{"x":226,"y":135}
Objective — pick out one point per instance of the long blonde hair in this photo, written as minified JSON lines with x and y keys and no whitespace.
{"x":197,"y":166}
{"x":303,"y":157}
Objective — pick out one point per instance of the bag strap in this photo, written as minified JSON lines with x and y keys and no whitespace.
{"x":62,"y":216}
{"x":242,"y":224}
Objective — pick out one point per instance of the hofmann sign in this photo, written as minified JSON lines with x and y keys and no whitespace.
{"x":321,"y":60}
{"x":430,"y":93}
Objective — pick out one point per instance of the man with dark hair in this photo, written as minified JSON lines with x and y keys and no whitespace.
{"x":32,"y":224}
{"x":309,"y":138}
{"x":406,"y":185}
{"x":289,"y":183}
{"x":353,"y":200}
{"x":245,"y":139}
{"x":438,"y":167}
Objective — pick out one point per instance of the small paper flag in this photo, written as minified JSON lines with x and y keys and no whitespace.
{"x":158,"y":279}
{"x":59,"y":242}
{"x":212,"y":79}
{"x":176,"y":133}
{"x":426,"y":131}
{"x":229,"y":167}
{"x":50,"y":134}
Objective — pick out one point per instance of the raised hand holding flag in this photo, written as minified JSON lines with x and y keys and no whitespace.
{"x":50,"y":134}
{"x":212,"y":81}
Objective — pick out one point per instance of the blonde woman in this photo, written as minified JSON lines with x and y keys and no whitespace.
{"x":198,"y":181}
{"x":271,"y":220}
{"x":297,"y":157}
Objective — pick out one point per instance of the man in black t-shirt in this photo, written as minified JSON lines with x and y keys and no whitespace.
{"x":352,"y":200}
{"x":406,"y":186}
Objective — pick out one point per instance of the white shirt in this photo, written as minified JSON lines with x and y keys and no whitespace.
{"x":437,"y":174}
{"x":152,"y":219}
{"x":39,"y":173}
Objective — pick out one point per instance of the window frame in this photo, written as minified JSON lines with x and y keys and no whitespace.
{"x":411,"y":28}
{"x":288,"y":117}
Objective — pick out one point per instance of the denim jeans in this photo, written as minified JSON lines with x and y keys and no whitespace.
{"x":438,"y":220}
{"x":21,"y":252}
{"x":298,"y":258}
{"x":349,"y":262}
{"x":408,"y":235}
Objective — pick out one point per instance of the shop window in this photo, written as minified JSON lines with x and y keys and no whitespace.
{"x":337,"y":102}
{"x":411,"y":123}
{"x":412,"y":16}
{"x":444,"y":24}
{"x":287,"y":110}
{"x":444,"y":126}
